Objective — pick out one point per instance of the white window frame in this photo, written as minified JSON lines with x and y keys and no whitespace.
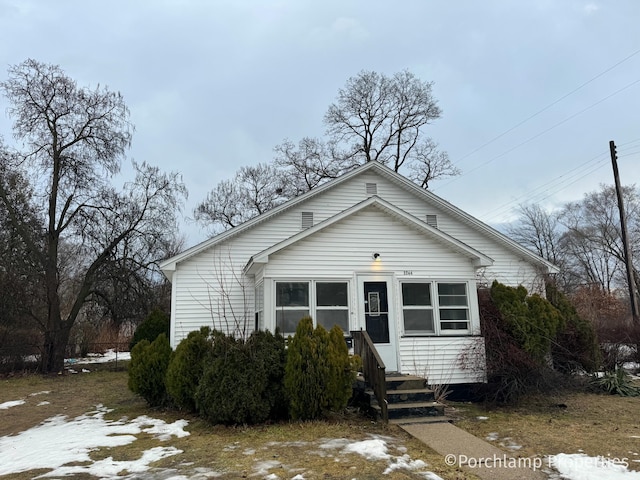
{"x":438,"y":330}
{"x":425,"y":308}
{"x":313,"y":306}
{"x":466,"y":307}
{"x":259,"y":306}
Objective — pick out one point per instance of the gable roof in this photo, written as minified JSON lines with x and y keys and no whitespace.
{"x":479,"y":259}
{"x":169,"y":265}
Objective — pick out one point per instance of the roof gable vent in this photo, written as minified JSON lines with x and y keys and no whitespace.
{"x":307,"y":219}
{"x":371,"y":188}
{"x":432,"y":221}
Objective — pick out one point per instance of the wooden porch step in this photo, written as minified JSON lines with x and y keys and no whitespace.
{"x":411,"y":395}
{"x":396,"y":381}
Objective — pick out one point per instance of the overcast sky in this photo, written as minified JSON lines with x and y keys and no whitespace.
{"x":214,"y":85}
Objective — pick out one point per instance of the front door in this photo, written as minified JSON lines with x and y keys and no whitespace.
{"x":379,"y":321}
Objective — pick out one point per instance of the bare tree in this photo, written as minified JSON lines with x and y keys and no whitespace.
{"x":595,"y":238}
{"x":383,"y":118}
{"x":538,"y":230}
{"x":73,"y":141}
{"x":429,"y":163}
{"x":375,"y":117}
{"x":311,"y":163}
{"x":253,"y":191}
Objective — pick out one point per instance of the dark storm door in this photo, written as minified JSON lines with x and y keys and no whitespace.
{"x":379,"y":321}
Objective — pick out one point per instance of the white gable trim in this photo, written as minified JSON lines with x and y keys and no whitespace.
{"x":169,"y":265}
{"x":478,"y":258}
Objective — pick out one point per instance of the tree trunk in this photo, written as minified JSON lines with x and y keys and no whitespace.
{"x":55,"y":346}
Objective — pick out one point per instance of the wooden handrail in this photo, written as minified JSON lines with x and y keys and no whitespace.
{"x":373,"y":368}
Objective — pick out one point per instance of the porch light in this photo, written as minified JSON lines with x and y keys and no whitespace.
{"x":376,"y":256}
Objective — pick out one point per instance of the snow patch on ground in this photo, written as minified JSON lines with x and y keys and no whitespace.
{"x":376,"y":448}
{"x":109,"y":356}
{"x":58,"y":441}
{"x":12,"y":403}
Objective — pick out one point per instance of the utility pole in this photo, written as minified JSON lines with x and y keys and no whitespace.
{"x":625,"y":242}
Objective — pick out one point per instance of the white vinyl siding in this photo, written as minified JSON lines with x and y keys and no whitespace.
{"x":348,"y":246}
{"x":444,"y":360}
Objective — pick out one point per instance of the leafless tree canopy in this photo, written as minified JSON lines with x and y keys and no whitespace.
{"x":380,"y":117}
{"x":584,"y":238}
{"x":72,"y":141}
{"x":253,"y":191}
{"x":374,"y":118}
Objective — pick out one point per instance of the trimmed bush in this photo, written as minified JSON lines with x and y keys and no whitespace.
{"x":341,"y":375}
{"x":186,"y":367}
{"x":318,"y":375}
{"x":306,"y":372}
{"x":157,"y":322}
{"x":242,"y":381}
{"x":270,"y":357}
{"x":148,"y":369}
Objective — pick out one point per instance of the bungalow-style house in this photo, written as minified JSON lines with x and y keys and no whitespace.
{"x":368,"y":251}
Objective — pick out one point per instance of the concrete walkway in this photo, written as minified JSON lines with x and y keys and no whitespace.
{"x":474,"y":455}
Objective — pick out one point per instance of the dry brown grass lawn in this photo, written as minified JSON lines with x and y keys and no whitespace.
{"x":284,"y":449}
{"x":595,"y":424}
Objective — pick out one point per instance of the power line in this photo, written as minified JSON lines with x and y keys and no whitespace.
{"x":570,"y":117}
{"x":541,"y":193}
{"x":549,"y":106}
{"x":546,"y":190}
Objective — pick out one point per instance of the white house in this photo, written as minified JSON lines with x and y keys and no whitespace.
{"x":369,"y":251}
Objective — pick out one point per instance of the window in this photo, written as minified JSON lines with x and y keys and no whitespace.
{"x":453,"y":306}
{"x":425,"y":315}
{"x":326,"y":302}
{"x":332,"y":305}
{"x":259,"y":306}
{"x":292,"y":303}
{"x":417,"y":308}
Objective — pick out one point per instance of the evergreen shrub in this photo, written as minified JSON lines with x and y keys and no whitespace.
{"x":157,"y":322}
{"x":531,"y":320}
{"x":576,"y":346}
{"x":148,"y":368}
{"x":341,"y":372}
{"x":186,"y":367}
{"x":318,"y":376}
{"x":242,"y":380}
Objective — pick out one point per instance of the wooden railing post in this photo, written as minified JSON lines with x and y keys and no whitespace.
{"x":373,"y":368}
